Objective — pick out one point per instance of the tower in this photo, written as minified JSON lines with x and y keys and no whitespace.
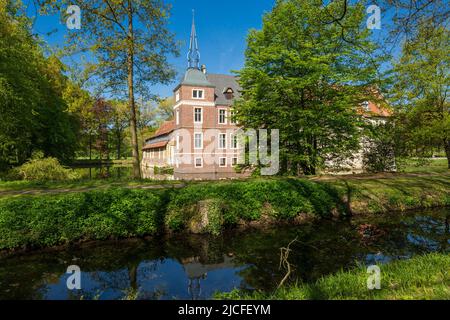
{"x":194,"y":53}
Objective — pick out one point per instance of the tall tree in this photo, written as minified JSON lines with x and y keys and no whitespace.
{"x":33,"y":110}
{"x":130,"y":42}
{"x":119,"y":123}
{"x":165,"y":109}
{"x":305,"y":78}
{"x":421,"y":91}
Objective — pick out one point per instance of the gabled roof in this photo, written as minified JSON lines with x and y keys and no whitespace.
{"x":222,"y":83}
{"x":156,"y":145}
{"x":376,"y":110}
{"x":166,"y":128}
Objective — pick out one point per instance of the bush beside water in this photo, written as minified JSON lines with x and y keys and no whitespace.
{"x":50,"y":220}
{"x":42,"y":169}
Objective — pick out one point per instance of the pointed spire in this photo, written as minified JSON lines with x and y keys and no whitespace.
{"x":194,"y":53}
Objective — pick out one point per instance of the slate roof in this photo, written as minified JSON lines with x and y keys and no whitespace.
{"x":195,"y":77}
{"x":221,"y":83}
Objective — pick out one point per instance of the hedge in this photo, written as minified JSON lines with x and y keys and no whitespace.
{"x":44,"y":221}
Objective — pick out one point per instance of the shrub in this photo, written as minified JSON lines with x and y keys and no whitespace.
{"x":379,"y":153}
{"x":43,"y":169}
{"x":249,"y":200}
{"x":50,"y":221}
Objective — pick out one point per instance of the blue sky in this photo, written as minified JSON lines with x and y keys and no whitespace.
{"x":222,"y":28}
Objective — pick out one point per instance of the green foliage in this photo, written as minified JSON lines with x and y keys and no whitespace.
{"x":379,"y":155}
{"x":215,"y":209}
{"x":305,"y":76}
{"x":50,"y":221}
{"x":131,"y":44}
{"x":422,"y":277}
{"x":44,"y":169}
{"x":32,"y":109}
{"x":421,"y":98}
{"x":248,"y":201}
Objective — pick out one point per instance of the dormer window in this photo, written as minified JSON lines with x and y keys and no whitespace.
{"x":228,"y":92}
{"x":197,"y":94}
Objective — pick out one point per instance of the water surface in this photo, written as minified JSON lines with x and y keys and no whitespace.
{"x":194,"y":267}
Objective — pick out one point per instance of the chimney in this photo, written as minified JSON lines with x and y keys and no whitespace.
{"x":203,"y":68}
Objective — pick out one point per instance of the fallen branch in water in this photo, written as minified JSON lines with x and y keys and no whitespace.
{"x":284,"y":262}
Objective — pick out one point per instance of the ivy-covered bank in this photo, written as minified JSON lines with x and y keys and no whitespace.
{"x":52,"y":220}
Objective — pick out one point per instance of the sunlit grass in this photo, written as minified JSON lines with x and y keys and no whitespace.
{"x":420,"y":278}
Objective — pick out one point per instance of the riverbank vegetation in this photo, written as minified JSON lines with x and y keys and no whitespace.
{"x":421,"y":277}
{"x":60,"y":219}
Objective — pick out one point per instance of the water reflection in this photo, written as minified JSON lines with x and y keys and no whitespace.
{"x":104,"y":172}
{"x":194,"y":267}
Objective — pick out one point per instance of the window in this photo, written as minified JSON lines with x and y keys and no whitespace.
{"x":177,"y":96}
{"x":234,"y":141}
{"x":178,"y":143}
{"x":197,"y":94}
{"x":198,"y":115}
{"x":178,"y":116}
{"x":199,"y":162}
{"x":366,"y":106}
{"x":222,"y":162}
{"x":228,"y":93}
{"x":222,"y":141}
{"x":222,"y":116}
{"x":234,"y":161}
{"x":233,"y":115}
{"x":198,"y":141}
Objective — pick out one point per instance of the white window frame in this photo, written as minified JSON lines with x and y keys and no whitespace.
{"x":220,"y":140}
{"x":195,"y":162}
{"x":201,"y":135}
{"x":177,"y":96}
{"x":177,"y":116}
{"x":218,"y":116}
{"x":232,"y":136}
{"x":178,"y":143}
{"x":220,"y":162}
{"x":232,"y":160}
{"x":201,"y":115}
{"x":366,"y":106}
{"x":198,"y":90}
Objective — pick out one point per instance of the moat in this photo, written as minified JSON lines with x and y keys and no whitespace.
{"x":195,"y":267}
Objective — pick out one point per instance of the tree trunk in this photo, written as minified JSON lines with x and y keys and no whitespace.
{"x":447,"y":151}
{"x":131,"y":101}
{"x":119,"y":145}
{"x":90,"y":146}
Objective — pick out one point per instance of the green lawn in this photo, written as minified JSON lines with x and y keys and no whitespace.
{"x":420,"y":278}
{"x":394,"y":192}
{"x":432,"y":166}
{"x":7,"y":186}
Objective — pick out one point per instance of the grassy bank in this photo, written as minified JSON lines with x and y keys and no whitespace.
{"x":76,"y":185}
{"x":50,"y":220}
{"x":423,"y":277}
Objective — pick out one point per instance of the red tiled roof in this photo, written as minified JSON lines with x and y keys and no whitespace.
{"x":165,"y":128}
{"x":375,"y":110}
{"x":156,"y":145}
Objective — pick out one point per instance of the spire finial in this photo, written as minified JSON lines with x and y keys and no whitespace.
{"x":193,"y":54}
